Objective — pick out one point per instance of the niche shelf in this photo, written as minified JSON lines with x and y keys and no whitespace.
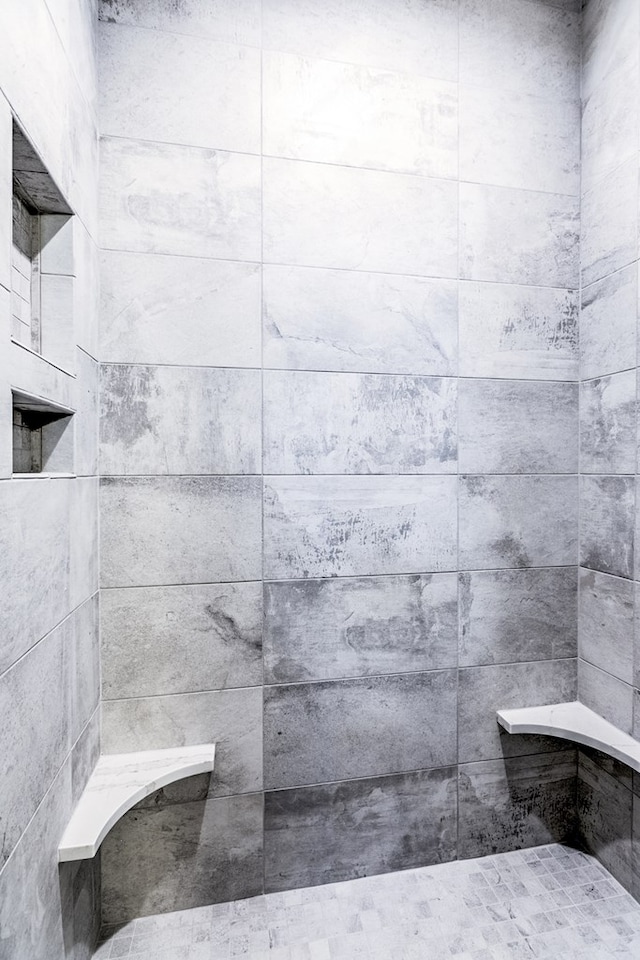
{"x":574,"y":721}
{"x":119,"y":781}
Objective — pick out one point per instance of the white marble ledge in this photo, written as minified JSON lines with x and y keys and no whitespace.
{"x":574,"y":721}
{"x":119,"y":781}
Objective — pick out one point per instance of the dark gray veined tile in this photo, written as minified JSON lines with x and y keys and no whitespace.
{"x":607,"y":506}
{"x":608,"y":424}
{"x":604,"y":818}
{"x":607,"y":695}
{"x":606,"y":623}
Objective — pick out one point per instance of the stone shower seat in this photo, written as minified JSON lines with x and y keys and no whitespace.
{"x":118,"y":782}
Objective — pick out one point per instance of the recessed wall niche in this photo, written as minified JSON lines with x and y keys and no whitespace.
{"x":42,"y":436}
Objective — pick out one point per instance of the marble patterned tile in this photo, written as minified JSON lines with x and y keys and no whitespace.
{"x":156,"y":85}
{"x":169,"y":530}
{"x":158,"y":420}
{"x":358,"y":423}
{"x":327,"y":216}
{"x":613,"y":299}
{"x":161,"y":640}
{"x":607,"y":695}
{"x":332,"y":832}
{"x":609,"y":214}
{"x":179,"y":310}
{"x":517,"y":615}
{"x":362,"y":626}
{"x":606,"y":623}
{"x":318,"y":732}
{"x":607,"y":507}
{"x":518,"y":236}
{"x":533,"y":143}
{"x":359,"y":116}
{"x":514,"y":426}
{"x":235,"y":20}
{"x":162,"y":198}
{"x":609,"y":40}
{"x":483,"y":690}
{"x":513,"y":521}
{"x":610,"y":123}
{"x":608,"y":425}
{"x":354,"y":321}
{"x":518,"y":332}
{"x":604,"y":817}
{"x":348,"y":526}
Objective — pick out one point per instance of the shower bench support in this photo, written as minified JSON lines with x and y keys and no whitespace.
{"x":118,"y":782}
{"x":574,"y":721}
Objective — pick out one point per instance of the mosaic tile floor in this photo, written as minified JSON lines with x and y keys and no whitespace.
{"x":550,"y":902}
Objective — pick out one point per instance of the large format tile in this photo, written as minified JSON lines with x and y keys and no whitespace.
{"x":169,"y":530}
{"x":327,"y":216}
{"x":517,"y":427}
{"x":84,"y":547}
{"x":609,"y":215}
{"x":607,"y":695}
{"x":607,"y":507}
{"x":610,"y":124}
{"x":358,"y":116}
{"x":513,"y":521}
{"x":179,"y":420}
{"x":606,"y":624}
{"x":515,"y":803}
{"x":608,"y":424}
{"x":337,"y":730}
{"x":484,"y":690}
{"x":182,"y":856}
{"x":158,"y":640}
{"x":614,"y":298}
{"x":518,"y":236}
{"x":341,"y":320}
{"x":358,"y":423}
{"x":610,"y":33}
{"x":86,"y":418}
{"x":203,"y":93}
{"x":336,"y":831}
{"x":234,"y":20}
{"x":161,"y":198}
{"x":604,"y":818}
{"x":518,"y":332}
{"x":348,"y":526}
{"x":518,"y":615}
{"x":82,"y":657}
{"x":322,"y":629}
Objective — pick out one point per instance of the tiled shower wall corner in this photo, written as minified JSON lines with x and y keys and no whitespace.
{"x":49,"y":649}
{"x":608,"y":666}
{"x":339,"y":390}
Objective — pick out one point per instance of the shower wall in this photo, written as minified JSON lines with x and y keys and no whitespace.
{"x":339,"y":435}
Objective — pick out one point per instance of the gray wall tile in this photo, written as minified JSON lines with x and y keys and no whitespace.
{"x":608,"y":696}
{"x":82,"y":655}
{"x":608,"y":424}
{"x":179,"y":530}
{"x":83,"y":550}
{"x":604,"y":817}
{"x":609,"y":39}
{"x":346,"y":526}
{"x":235,"y":20}
{"x":609,"y":131}
{"x":518,"y":615}
{"x":607,"y":524}
{"x":345,"y":729}
{"x":605,"y":623}
{"x":512,"y":521}
{"x":86,"y":418}
{"x":609,"y":232}
{"x":338,"y":831}
{"x":159,"y":640}
{"x":359,"y":627}
{"x":517,"y":427}
{"x":614,"y":297}
{"x":354,"y":423}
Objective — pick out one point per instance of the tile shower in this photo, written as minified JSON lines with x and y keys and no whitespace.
{"x":354,"y":386}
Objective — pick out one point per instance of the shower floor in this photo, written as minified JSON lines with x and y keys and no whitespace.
{"x":549,"y":902}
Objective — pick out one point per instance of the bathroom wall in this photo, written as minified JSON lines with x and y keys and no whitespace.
{"x":339,"y":434}
{"x":608,"y":676}
{"x":49,"y":671}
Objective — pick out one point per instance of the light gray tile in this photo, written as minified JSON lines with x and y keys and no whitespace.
{"x":483,"y":690}
{"x":342,"y":320}
{"x":512,"y":521}
{"x":608,"y":301}
{"x":161,"y":198}
{"x":518,"y":615}
{"x":82,"y":655}
{"x":358,"y":116}
{"x":609,"y":213}
{"x":85,"y":754}
{"x":177,"y":89}
{"x":86,"y":418}
{"x":234,"y":20}
{"x":533,"y":143}
{"x":179,"y":857}
{"x":179,"y":530}
{"x":86,"y":290}
{"x":333,"y":832}
{"x":514,"y":803}
{"x":322,"y":629}
{"x":608,"y":696}
{"x":84,"y":548}
{"x":232,"y":719}
{"x":327,"y":216}
{"x":520,"y":46}
{"x":609,"y":39}
{"x":517,"y":427}
{"x":605,"y":623}
{"x":518,"y":332}
{"x":610,"y":124}
{"x":346,"y":526}
{"x":159,"y":640}
{"x":518,"y":236}
{"x":608,"y":424}
{"x":6,"y":177}
{"x":607,"y":524}
{"x":344,"y":729}
{"x":353,"y":423}
{"x":179,"y":420}
{"x":604,"y":816}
